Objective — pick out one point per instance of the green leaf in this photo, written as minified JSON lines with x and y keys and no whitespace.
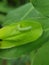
{"x":42,"y":56}
{"x":5,"y":8}
{"x":21,"y":33}
{"x":27,"y":48}
{"x":42,"y":6}
{"x":2,"y":17}
{"x":24,"y":12}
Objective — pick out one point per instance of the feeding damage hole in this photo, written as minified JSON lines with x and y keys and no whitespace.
{"x":1,"y":26}
{"x":1,"y":0}
{"x":0,"y":39}
{"x":3,"y":13}
{"x":16,"y":3}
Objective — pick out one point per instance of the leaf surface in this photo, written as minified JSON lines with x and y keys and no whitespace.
{"x":24,"y":12}
{"x":27,"y":48}
{"x":42,"y":6}
{"x":42,"y":56}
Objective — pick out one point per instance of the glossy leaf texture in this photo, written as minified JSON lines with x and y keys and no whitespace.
{"x":42,"y":6}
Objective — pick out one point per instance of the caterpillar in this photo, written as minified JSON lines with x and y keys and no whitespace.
{"x":24,"y":29}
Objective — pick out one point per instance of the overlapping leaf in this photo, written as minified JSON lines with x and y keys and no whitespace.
{"x":17,"y":35}
{"x":24,"y":12}
{"x":42,"y":56}
{"x":4,"y":7}
{"x":42,"y":6}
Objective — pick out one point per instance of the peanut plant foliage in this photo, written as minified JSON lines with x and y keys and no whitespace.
{"x":24,"y":32}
